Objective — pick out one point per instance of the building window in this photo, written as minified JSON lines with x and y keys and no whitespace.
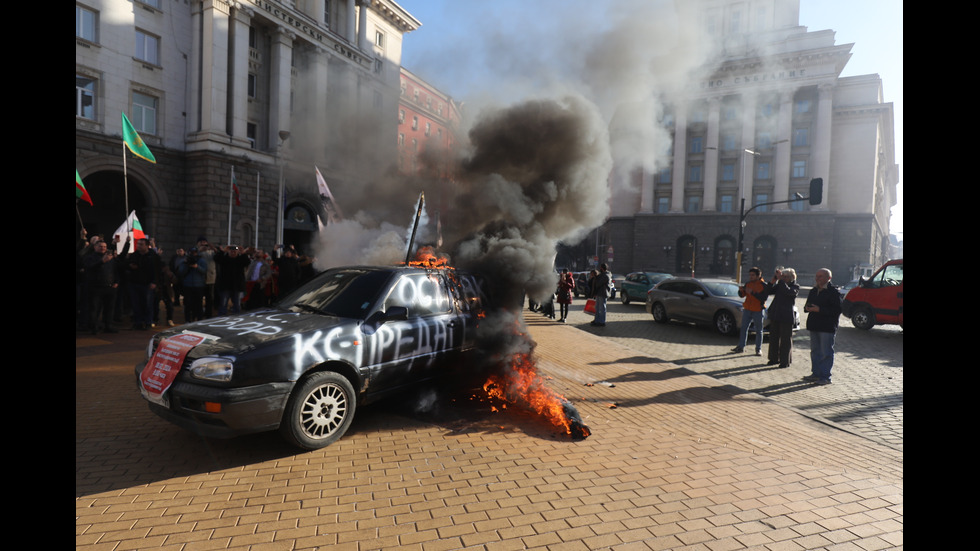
{"x":415,"y":123}
{"x":736,"y":22}
{"x":694,"y":173}
{"x":663,"y":176}
{"x":379,"y":66}
{"x":439,"y":134}
{"x":766,"y":109}
{"x":663,"y":205}
{"x":726,"y":204}
{"x":764,"y":140}
{"x":379,"y":39}
{"x":86,"y":24}
{"x":762,"y":198}
{"x":84,"y":97}
{"x":428,"y":128}
{"x":728,"y":172}
{"x":252,"y":84}
{"x":147,"y":48}
{"x":693,"y":203}
{"x":728,"y":141}
{"x":731,"y":113}
{"x":151,"y":3}
{"x":799,"y":169}
{"x":697,"y":144}
{"x":798,"y":206}
{"x":762,"y":170}
{"x":801,"y":136}
{"x":326,"y":13}
{"x":803,"y":106}
{"x":401,"y":116}
{"x":144,"y":113}
{"x":251,"y":132}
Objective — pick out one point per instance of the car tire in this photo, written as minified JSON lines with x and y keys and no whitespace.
{"x":319,"y":411}
{"x":624,"y":297}
{"x":863,"y":318}
{"x":659,"y":313}
{"x":725,"y":323}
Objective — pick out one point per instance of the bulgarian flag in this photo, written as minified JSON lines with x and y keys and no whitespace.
{"x":80,"y":191}
{"x":132,"y":224}
{"x":133,"y":141}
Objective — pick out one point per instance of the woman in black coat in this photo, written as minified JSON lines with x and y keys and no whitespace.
{"x":784,"y":290}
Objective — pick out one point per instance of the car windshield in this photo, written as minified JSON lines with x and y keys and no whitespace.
{"x":721,"y":288}
{"x":343,"y":292}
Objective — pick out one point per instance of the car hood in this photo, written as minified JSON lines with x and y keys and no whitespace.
{"x":237,"y":334}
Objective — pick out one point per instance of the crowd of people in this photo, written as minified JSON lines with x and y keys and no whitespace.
{"x":203,"y":280}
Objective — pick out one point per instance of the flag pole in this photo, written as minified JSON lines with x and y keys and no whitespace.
{"x":418,"y":214}
{"x":258,"y":176}
{"x":231,"y":193}
{"x":129,"y":230}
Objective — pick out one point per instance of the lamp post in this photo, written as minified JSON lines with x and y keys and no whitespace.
{"x":283,"y":136}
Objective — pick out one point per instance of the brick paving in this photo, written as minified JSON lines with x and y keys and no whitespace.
{"x":676,"y":460}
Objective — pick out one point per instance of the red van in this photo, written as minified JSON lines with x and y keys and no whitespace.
{"x":879,"y":299}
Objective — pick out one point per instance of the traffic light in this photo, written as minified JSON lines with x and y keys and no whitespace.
{"x":816,"y":191}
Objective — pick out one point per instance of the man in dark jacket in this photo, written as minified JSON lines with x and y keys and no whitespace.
{"x":142,"y":271}
{"x":102,"y":278}
{"x":231,"y":278}
{"x":783,"y":289}
{"x":823,"y":307}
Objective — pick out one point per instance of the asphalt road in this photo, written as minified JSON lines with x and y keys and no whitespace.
{"x":866,"y":396}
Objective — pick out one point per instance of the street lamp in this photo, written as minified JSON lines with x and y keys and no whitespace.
{"x":283,"y":136}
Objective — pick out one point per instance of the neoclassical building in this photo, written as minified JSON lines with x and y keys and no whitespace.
{"x":265,"y":88}
{"x":763,"y":120}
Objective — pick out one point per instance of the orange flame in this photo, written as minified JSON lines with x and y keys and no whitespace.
{"x":522,"y":385}
{"x":427,"y":258}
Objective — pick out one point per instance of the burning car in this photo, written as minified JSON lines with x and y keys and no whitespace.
{"x":349,"y":337}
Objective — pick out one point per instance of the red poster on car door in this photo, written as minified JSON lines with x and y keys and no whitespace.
{"x":163,"y":367}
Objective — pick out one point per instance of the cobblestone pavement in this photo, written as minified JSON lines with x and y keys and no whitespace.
{"x":675,"y":460}
{"x":867,"y":394}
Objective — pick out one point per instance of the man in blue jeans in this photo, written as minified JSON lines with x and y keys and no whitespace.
{"x":601,"y":291}
{"x":823,"y":310}
{"x":753,"y":309}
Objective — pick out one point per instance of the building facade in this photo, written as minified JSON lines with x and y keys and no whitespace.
{"x":428,"y":137}
{"x":262,"y":89}
{"x":771,"y":114}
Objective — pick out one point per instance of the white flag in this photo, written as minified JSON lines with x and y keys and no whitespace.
{"x":329,"y":203}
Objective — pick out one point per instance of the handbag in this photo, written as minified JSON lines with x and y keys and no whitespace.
{"x":590,"y":306}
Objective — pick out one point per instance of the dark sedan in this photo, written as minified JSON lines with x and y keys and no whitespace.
{"x":348,"y":337}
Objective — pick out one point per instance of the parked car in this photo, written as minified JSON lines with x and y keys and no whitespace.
{"x":617,"y":281}
{"x":636,"y":285}
{"x":712,"y":302}
{"x":582,"y":283}
{"x":879,"y":299}
{"x":843,"y":289}
{"x":348,"y":337}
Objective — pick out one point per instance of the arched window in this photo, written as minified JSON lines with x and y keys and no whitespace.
{"x":764,"y":254}
{"x":724,"y":257}
{"x":686,"y":246}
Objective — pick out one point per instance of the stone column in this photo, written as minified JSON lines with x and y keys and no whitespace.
{"x":646,"y":191}
{"x":746,"y":176}
{"x":710,"y":184}
{"x":783,"y":145}
{"x":238,"y":77}
{"x":820,"y":141}
{"x":349,"y":32}
{"x":214,"y":69}
{"x":362,"y":38}
{"x":680,"y":160}
{"x":280,"y":84}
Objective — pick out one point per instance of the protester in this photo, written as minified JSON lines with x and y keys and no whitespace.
{"x":140,"y":269}
{"x":602,"y":287}
{"x":823,"y":307}
{"x":566,"y":287}
{"x":230,"y":283}
{"x":753,"y":310}
{"x":192,"y":271}
{"x":102,"y":282}
{"x":784,"y":290}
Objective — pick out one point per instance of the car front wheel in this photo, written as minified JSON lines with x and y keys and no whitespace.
{"x":659,"y":313}
{"x":863,"y":318}
{"x":725,"y":323}
{"x":319,"y":412}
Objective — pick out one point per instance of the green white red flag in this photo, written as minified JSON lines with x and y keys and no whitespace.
{"x":80,"y":191}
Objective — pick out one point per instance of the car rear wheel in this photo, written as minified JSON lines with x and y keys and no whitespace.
{"x":863,"y":318}
{"x":725,"y":323}
{"x":659,"y":313}
{"x":625,"y":297}
{"x":319,"y":412}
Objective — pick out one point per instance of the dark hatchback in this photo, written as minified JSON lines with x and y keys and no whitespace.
{"x":347,"y":338}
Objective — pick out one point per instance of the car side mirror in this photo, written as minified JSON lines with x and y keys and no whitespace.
{"x":377,"y":319}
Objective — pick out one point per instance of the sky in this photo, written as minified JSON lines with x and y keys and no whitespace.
{"x":465,"y":47}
